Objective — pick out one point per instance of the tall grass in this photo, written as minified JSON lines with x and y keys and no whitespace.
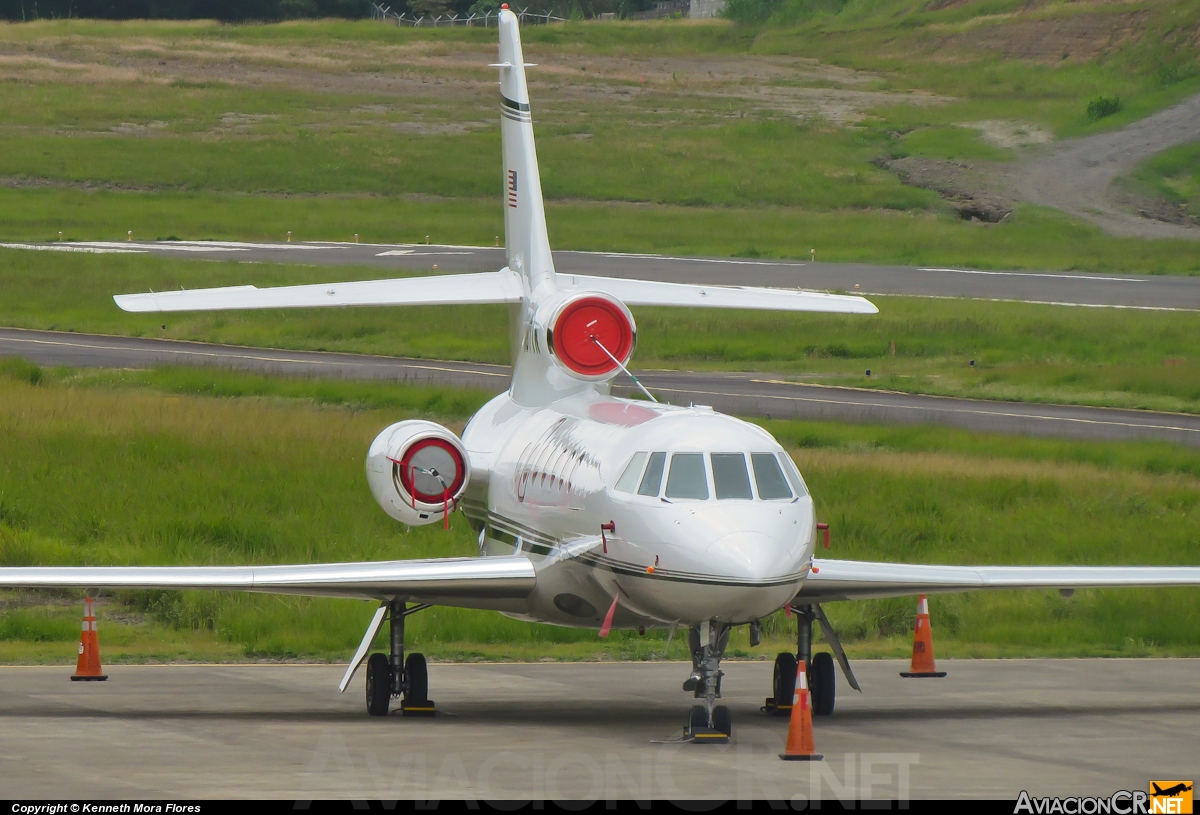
{"x":99,"y":472}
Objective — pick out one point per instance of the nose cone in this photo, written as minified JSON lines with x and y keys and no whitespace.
{"x":755,"y":556}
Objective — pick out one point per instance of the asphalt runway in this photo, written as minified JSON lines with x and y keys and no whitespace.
{"x":744,"y":394}
{"x":1064,"y":288}
{"x":595,"y":730}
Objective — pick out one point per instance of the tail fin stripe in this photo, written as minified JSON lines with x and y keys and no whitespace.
{"x":508,"y":103}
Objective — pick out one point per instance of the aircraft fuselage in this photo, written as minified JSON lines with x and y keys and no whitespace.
{"x":705,"y":516}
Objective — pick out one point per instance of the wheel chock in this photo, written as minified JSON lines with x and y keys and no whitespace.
{"x":771,"y":708}
{"x":424,"y":708}
{"x":706,"y":735}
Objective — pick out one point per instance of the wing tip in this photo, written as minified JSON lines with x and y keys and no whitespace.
{"x":134,"y":303}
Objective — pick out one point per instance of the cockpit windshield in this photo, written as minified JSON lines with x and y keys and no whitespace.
{"x":730,"y":476}
{"x":771,"y":483}
{"x":689,"y":476}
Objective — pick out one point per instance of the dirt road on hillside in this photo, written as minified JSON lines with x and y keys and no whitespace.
{"x":1076,"y":175}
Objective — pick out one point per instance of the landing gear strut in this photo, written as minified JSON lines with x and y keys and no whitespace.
{"x":392,"y":676}
{"x":822,"y":681}
{"x":708,"y":723}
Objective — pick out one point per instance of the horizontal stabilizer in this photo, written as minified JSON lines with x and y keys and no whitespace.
{"x":487,"y":287}
{"x":860,"y":580}
{"x":656,"y":293}
{"x":479,"y":582}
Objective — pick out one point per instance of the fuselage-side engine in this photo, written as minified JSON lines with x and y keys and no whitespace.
{"x":417,"y":471}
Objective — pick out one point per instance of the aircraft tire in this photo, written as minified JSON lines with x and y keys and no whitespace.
{"x":416,"y":677}
{"x":379,"y":685}
{"x":783,"y":685}
{"x":697,"y":718}
{"x":822,"y":682}
{"x":722,"y":720}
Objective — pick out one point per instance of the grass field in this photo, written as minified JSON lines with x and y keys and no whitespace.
{"x":1027,"y":352}
{"x":1174,"y":175}
{"x":705,"y":138}
{"x":134,"y":468}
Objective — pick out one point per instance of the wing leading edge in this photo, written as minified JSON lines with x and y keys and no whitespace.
{"x":503,"y":286}
{"x":482,"y":582}
{"x":658,"y":293}
{"x":862,"y":580}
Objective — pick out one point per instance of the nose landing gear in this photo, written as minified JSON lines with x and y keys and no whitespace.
{"x":708,"y":723}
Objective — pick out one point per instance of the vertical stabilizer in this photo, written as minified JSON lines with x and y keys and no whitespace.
{"x":525,"y":239}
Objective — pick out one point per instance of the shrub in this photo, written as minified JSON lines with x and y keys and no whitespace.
{"x":1102,"y":106}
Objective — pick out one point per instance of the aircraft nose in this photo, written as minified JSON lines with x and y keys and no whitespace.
{"x":755,"y":555}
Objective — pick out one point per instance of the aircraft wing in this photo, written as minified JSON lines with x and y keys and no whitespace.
{"x":861,"y":580}
{"x":656,"y":293}
{"x":503,"y":286}
{"x":476,"y":582}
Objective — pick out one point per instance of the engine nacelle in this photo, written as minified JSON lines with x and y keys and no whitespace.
{"x":587,"y":333}
{"x":417,"y":471}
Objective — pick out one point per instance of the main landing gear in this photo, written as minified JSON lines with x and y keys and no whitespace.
{"x":392,"y":676}
{"x":708,"y":723}
{"x":822,"y":682}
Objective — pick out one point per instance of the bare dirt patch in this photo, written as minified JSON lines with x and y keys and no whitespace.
{"x":38,"y":69}
{"x":1077,"y":176}
{"x":976,"y":190}
{"x":800,"y":87}
{"x":1078,"y":36}
{"x":1148,"y":205}
{"x":1008,"y":134}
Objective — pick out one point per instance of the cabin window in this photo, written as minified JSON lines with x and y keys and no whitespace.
{"x":687,"y":478}
{"x":652,"y":480}
{"x":794,"y":476}
{"x":771,"y":483}
{"x":629,"y":479}
{"x":730,"y":478}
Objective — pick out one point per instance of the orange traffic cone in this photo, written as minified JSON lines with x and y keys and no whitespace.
{"x":88,"y":669}
{"x":922,"y":658}
{"x":800,"y":745}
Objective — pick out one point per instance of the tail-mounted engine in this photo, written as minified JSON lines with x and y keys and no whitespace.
{"x":590,"y":335}
{"x":417,"y":471}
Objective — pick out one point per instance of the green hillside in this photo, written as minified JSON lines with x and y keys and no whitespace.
{"x":656,"y":136}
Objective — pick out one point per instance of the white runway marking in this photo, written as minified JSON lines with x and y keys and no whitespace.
{"x":1029,"y":302}
{"x":414,"y":253}
{"x":925,"y":408}
{"x":619,"y":255}
{"x":1083,"y":277}
{"x":63,"y":247}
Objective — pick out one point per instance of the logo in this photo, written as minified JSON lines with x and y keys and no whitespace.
{"x":512,"y":188}
{"x":1171,"y":797}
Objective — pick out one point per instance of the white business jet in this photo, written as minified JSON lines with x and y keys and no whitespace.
{"x":591,"y":511}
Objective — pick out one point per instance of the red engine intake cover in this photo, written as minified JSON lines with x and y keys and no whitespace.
{"x":415,"y":468}
{"x":584,"y":322}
